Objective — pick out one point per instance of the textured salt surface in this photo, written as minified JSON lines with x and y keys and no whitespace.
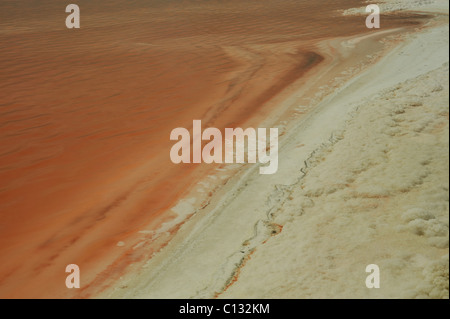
{"x":363,"y":180}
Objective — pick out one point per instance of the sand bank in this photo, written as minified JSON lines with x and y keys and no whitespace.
{"x":362,"y":180}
